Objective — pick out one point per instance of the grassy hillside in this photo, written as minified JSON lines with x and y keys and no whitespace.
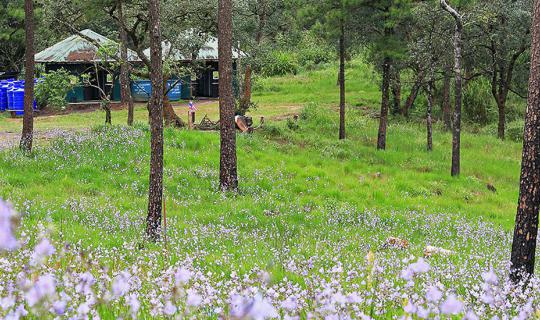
{"x":309,"y":211}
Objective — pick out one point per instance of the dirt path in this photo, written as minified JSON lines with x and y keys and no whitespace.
{"x":11,"y":139}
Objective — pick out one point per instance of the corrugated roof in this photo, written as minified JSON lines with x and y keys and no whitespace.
{"x":208,"y":51}
{"x":76,"y":49}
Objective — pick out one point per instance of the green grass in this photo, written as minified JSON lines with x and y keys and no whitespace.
{"x":320,"y":86}
{"x":303,"y":193}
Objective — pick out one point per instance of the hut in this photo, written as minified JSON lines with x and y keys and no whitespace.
{"x":205,"y":83}
{"x":77,"y":54}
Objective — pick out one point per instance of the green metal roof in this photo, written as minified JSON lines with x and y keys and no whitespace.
{"x":76,"y":49}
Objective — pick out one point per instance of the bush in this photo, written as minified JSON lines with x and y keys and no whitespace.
{"x":313,"y":52}
{"x":53,"y":87}
{"x":279,"y":63}
{"x":478,"y":104}
{"x":514,"y":130}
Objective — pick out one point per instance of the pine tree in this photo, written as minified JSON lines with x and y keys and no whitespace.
{"x":228,"y":179}
{"x":155,"y":194}
{"x":526,"y":228}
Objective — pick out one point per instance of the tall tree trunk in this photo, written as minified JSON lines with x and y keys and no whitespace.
{"x":28,"y":121}
{"x":413,"y":94}
{"x":155,"y":194}
{"x":429,"y":120}
{"x":125,"y":92}
{"x":456,"y":139}
{"x":396,"y":92}
{"x":342,"y":83}
{"x":228,"y":167}
{"x":383,"y":120}
{"x":526,"y":229}
{"x":445,"y":103}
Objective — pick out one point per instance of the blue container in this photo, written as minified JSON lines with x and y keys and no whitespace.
{"x":3,"y":97}
{"x":175,"y":93}
{"x":141,"y":90}
{"x":18,"y":101}
{"x":9,"y":96}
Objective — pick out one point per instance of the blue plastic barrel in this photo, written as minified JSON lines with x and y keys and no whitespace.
{"x":3,"y":96}
{"x":9,"y":96}
{"x":18,"y":101}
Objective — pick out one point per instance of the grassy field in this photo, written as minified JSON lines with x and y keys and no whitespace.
{"x":308,"y":206}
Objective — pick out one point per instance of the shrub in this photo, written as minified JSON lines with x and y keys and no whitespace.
{"x":53,"y":87}
{"x":478,"y":104}
{"x":514,"y":130}
{"x":279,"y":63}
{"x":312,"y":51}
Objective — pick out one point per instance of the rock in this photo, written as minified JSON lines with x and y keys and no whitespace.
{"x":397,"y":243}
{"x":431,"y":251}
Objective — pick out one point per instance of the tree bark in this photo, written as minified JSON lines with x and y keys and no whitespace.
{"x":501,"y":127}
{"x":245,"y":102}
{"x":413,"y":94}
{"x":445,"y":103}
{"x":170,"y":117}
{"x":456,"y":134}
{"x":526,"y":228}
{"x":155,"y":194}
{"x":383,"y":120}
{"x":108,"y":116}
{"x":396,"y":92}
{"x":125,"y":92}
{"x":228,"y":162}
{"x":342,"y":83}
{"x":429,"y":120}
{"x":28,"y":120}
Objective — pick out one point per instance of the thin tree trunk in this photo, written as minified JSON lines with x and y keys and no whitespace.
{"x":429,"y":120}
{"x":501,"y":104}
{"x":125,"y":92}
{"x":456,"y":139}
{"x":108,"y":116}
{"x":445,"y":103}
{"x":383,"y":120}
{"x":526,"y":229}
{"x":228,"y":162}
{"x":396,"y":92}
{"x":28,"y":121}
{"x":342,"y":83}
{"x":413,"y":94}
{"x":245,"y":102}
{"x":155,"y":194}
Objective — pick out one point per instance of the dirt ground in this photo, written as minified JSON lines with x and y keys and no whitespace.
{"x":11,"y":139}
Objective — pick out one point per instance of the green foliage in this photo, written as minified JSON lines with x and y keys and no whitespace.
{"x":478,"y":104}
{"x":279,"y":63}
{"x":52,"y":88}
{"x":313,"y":51}
{"x":514,"y":130}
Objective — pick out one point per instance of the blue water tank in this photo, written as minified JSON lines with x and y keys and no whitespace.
{"x":9,"y":96}
{"x":3,"y":96}
{"x":18,"y":100}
